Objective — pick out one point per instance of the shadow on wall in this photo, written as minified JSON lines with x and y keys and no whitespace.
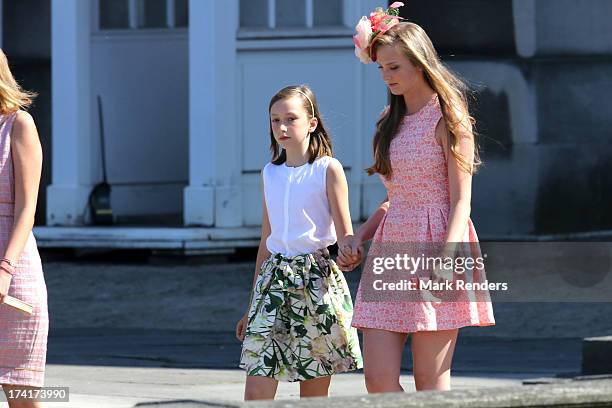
{"x":492,"y":113}
{"x":26,"y":40}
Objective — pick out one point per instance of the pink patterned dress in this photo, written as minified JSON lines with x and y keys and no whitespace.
{"x":23,"y":338}
{"x":419,"y":211}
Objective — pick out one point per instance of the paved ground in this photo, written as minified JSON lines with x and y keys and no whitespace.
{"x":128,"y":330}
{"x":123,"y":388}
{"x":212,"y":296}
{"x":118,"y":368}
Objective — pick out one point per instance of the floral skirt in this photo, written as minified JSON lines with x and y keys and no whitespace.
{"x":299,"y":325}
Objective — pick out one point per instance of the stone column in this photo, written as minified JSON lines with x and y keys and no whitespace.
{"x":214,"y":195}
{"x":72,"y":175}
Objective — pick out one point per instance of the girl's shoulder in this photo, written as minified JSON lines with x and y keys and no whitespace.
{"x":266,"y":167}
{"x":12,"y":116}
{"x":22,"y":120}
{"x":327,"y":161}
{"x":331,"y":167}
{"x":273,"y":170}
{"x":16,"y":124}
{"x":265,"y":172}
{"x":269,"y":167}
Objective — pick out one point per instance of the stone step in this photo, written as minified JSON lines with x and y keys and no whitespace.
{"x":597,"y":355}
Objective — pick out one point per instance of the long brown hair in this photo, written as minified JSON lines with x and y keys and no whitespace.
{"x":12,"y":97}
{"x":320,"y":143}
{"x":452,"y":94}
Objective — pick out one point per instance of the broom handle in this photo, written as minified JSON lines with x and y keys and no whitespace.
{"x":102,"y":143}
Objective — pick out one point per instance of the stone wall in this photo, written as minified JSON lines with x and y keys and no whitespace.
{"x":26,"y":40}
{"x":541,"y":71}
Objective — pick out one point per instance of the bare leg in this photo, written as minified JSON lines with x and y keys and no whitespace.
{"x":317,"y":387}
{"x":432,"y":354}
{"x":382,"y":358}
{"x":20,"y":403}
{"x":260,"y":388}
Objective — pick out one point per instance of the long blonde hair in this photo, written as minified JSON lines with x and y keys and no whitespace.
{"x":452,"y":94}
{"x":12,"y":97}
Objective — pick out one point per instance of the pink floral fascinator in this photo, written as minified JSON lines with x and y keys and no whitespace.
{"x":369,"y":29}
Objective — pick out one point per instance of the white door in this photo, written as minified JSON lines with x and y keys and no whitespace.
{"x":290,"y":42}
{"x":139,"y":66}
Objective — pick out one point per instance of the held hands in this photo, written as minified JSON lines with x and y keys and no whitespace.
{"x":350,"y":253}
{"x":241,"y":327}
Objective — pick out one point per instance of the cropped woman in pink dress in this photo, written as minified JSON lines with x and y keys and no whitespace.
{"x":425,"y":154}
{"x":23,"y":337}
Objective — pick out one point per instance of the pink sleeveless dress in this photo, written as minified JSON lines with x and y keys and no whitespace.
{"x":23,"y":338}
{"x":419,"y":211}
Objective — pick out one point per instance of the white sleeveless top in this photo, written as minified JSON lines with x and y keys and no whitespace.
{"x":298,"y":209}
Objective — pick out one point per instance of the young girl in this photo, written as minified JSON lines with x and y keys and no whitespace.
{"x":425,"y":153}
{"x":23,"y":338}
{"x":297,"y":327}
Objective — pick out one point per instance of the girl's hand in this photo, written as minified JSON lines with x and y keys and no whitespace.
{"x":241,"y":327}
{"x":442,"y":275}
{"x":5,"y":283}
{"x":350,"y":253}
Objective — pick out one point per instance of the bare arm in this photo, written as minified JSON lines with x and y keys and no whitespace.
{"x":351,"y":253}
{"x":460,"y":181}
{"x":367,"y":229}
{"x":262,"y":255}
{"x":262,"y":252}
{"x":27,"y":164}
{"x":337,"y":194}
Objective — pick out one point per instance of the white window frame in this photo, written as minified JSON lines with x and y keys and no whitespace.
{"x":309,"y":31}
{"x":135,"y":17}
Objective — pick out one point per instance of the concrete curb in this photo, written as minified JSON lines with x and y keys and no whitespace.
{"x":590,"y":393}
{"x":191,"y":403}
